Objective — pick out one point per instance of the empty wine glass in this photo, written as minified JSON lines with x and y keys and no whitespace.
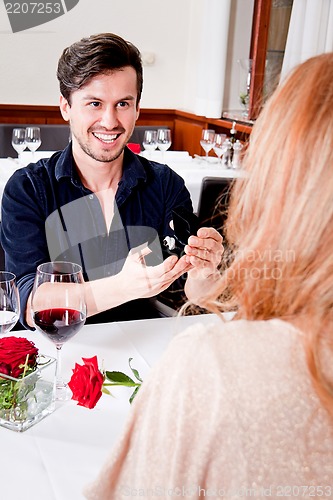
{"x":33,"y":139}
{"x":58,"y":308}
{"x":150,"y":141}
{"x":207,"y":141}
{"x":163,"y":140}
{"x":219,"y":146}
{"x":9,"y":302}
{"x":18,"y":142}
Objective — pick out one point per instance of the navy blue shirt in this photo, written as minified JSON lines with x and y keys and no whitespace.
{"x":47,"y":214}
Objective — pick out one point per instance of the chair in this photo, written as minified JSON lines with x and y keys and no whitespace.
{"x":54,"y":137}
{"x":214,"y":201}
{"x":163,"y":309}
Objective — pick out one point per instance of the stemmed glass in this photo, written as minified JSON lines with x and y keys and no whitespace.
{"x":18,"y":142}
{"x":58,"y":308}
{"x":150,"y":140}
{"x":33,"y":139}
{"x":9,"y":302}
{"x":207,"y":140}
{"x":163,"y":140}
{"x":219,"y":146}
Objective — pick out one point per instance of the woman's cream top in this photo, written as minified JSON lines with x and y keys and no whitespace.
{"x":229,"y":411}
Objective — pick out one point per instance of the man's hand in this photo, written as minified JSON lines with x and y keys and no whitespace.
{"x":141,"y":281}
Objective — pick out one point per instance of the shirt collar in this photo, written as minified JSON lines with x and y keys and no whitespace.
{"x":133,"y":169}
{"x":65,"y":164}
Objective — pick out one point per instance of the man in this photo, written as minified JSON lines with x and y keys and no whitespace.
{"x":97,"y":203}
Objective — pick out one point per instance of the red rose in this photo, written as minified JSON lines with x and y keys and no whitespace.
{"x":86,"y":383}
{"x":4,"y":368}
{"x":13,"y":354}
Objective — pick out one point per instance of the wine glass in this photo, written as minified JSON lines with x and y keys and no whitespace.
{"x":18,"y":142}
{"x":58,"y":308}
{"x":9,"y":301}
{"x":207,"y":140}
{"x":150,"y":141}
{"x":219,"y":146}
{"x":32,"y":139}
{"x":163,"y":140}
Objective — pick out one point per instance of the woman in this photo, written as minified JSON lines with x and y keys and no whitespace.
{"x":245,"y":408}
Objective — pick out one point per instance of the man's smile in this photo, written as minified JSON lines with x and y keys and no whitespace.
{"x":107,"y":138}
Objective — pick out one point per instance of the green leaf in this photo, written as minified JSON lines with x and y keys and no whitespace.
{"x":120,"y":378}
{"x":134,"y":371}
{"x":134,"y":393}
{"x":106,"y":391}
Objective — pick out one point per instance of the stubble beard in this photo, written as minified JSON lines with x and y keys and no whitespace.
{"x":103,"y":158}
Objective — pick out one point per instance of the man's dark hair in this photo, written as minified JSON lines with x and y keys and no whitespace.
{"x":93,"y":56}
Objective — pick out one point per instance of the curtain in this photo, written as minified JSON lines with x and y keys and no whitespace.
{"x":310,"y":32}
{"x":214,"y":28}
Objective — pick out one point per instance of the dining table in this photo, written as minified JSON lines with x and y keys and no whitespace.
{"x":60,"y":455}
{"x":191,"y":169}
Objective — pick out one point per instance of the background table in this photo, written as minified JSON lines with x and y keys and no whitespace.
{"x":57,"y":457}
{"x":192,"y":170}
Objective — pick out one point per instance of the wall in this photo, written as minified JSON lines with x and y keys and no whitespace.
{"x":168,"y":29}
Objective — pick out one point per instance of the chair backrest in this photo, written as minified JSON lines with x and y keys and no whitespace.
{"x":214,"y":201}
{"x":139,"y":132}
{"x":54,"y":137}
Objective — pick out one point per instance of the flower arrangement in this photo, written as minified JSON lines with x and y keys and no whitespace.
{"x":25,"y":397}
{"x":88,"y":382}
{"x":18,"y":358}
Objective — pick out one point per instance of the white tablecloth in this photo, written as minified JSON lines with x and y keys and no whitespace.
{"x":57,"y":457}
{"x":193,"y":170}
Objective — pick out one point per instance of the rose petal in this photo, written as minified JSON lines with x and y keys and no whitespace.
{"x":14,"y":351}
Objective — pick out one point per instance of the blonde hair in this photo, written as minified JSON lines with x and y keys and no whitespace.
{"x":280,"y":221}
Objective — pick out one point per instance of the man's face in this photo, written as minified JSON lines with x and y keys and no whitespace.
{"x":102,"y":114}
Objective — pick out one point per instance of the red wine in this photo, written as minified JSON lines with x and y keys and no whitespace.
{"x":59,"y":324}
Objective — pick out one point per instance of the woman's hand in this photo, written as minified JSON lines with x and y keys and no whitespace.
{"x":203,"y":253}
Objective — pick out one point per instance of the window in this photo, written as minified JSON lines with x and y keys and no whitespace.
{"x":269,"y":35}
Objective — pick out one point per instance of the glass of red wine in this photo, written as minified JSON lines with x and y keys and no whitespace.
{"x":58,"y":308}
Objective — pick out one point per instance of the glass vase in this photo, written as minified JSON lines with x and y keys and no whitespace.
{"x":25,"y":401}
